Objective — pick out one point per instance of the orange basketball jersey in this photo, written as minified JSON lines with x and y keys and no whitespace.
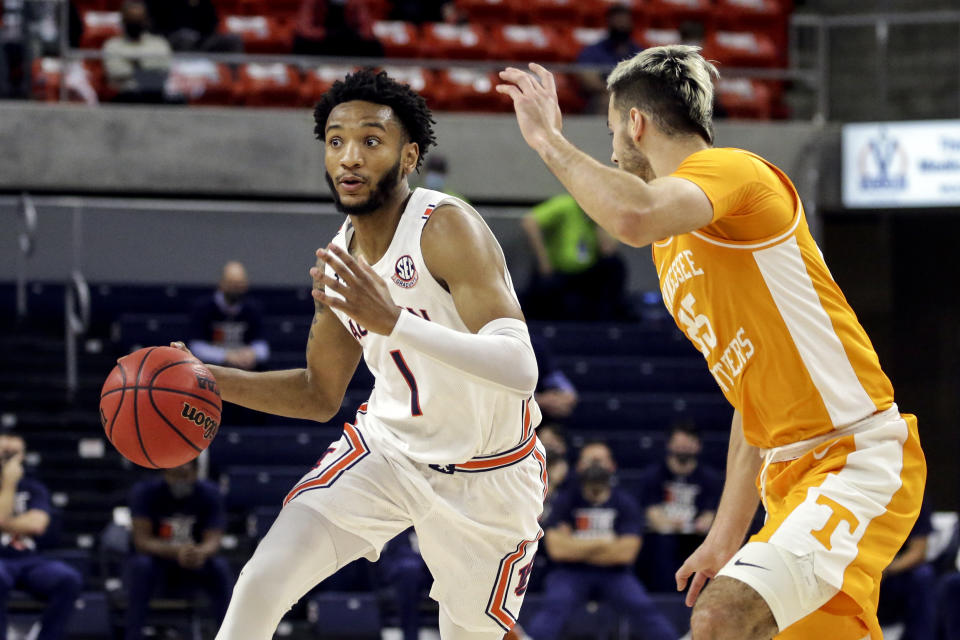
{"x":751,"y":291}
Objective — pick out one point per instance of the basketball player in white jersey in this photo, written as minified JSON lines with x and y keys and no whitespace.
{"x":416,"y":283}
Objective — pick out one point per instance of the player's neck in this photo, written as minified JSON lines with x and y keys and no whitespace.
{"x":373,"y":232}
{"x":669,"y":153}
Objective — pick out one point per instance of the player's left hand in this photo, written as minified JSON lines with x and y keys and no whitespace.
{"x":535,"y":101}
{"x":361,"y":293}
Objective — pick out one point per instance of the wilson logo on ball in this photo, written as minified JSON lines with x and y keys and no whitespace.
{"x":200,"y":419}
{"x":208,"y":384}
{"x":405,"y":273}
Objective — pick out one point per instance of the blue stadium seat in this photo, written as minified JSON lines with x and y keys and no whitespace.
{"x":272,"y":445}
{"x":135,"y":330}
{"x":345,"y":615}
{"x":652,"y":411}
{"x":637,"y":374}
{"x":260,"y":486}
{"x":598,"y":339}
{"x":286,"y":333}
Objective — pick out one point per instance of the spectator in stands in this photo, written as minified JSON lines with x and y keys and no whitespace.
{"x":191,"y":25}
{"x":226,"y":327}
{"x":404,"y":572}
{"x":593,"y":536}
{"x":618,"y":45}
{"x":178,"y":522}
{"x":335,"y":28}
{"x":25,"y":515}
{"x":948,"y":613}
{"x":435,"y":172}
{"x":679,"y":497}
{"x":555,"y":394}
{"x":137,"y":62}
{"x":907,"y":591}
{"x":28,"y":30}
{"x":579,"y":274}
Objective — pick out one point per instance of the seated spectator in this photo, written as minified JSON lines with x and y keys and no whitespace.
{"x":680,"y":498}
{"x":948,"y":613}
{"x":402,"y":569}
{"x":592,"y":537}
{"x":29,"y":30}
{"x":226,"y":327}
{"x":579,"y":275}
{"x":907,"y":590}
{"x":25,"y":515}
{"x":617,"y":46}
{"x":137,"y":62}
{"x":335,"y":28}
{"x":178,"y":522}
{"x":191,"y":25}
{"x":555,"y":394}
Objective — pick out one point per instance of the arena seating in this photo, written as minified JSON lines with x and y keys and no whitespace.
{"x":736,"y":33}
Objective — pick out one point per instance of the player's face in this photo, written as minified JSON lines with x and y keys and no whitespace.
{"x":367,"y":156}
{"x":626,"y":154}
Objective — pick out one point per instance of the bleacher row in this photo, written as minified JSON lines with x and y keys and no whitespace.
{"x":736,"y":33}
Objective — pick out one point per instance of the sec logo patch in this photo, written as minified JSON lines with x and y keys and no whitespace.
{"x":405,"y":273}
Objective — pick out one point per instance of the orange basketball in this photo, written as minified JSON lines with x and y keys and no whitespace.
{"x":160,"y":407}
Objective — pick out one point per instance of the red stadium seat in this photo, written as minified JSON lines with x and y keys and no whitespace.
{"x":745,"y":98}
{"x":98,"y":27}
{"x":493,"y":12}
{"x":740,"y":49}
{"x":587,"y":36}
{"x":568,"y":93}
{"x":421,"y":80}
{"x":528,"y":43}
{"x":595,"y":11}
{"x":399,"y":39}
{"x":464,"y":89}
{"x":766,"y":16}
{"x":651,"y":37}
{"x":47,"y":76}
{"x":268,"y":85}
{"x":261,"y":34}
{"x":317,"y":81}
{"x":202,"y":81}
{"x":564,"y":13}
{"x":277,"y":8}
{"x":673,"y":13}
{"x":464,"y":42}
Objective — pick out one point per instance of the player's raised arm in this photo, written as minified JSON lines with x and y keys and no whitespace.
{"x":312,"y":393}
{"x":631,"y":205}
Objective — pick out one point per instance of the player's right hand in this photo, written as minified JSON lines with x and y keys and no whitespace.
{"x":703,"y":564}
{"x":179,"y":346}
{"x":12,"y":469}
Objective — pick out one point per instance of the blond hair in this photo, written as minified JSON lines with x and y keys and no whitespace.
{"x":673,"y":82}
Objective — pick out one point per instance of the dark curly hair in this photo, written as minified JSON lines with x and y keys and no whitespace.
{"x":377,"y":87}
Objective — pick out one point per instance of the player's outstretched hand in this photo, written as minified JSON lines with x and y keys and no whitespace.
{"x":179,"y":346}
{"x":703,"y":564}
{"x":360,"y":292}
{"x":535,"y":101}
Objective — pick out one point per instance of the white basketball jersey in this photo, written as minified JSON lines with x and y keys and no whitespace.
{"x":434,"y":413}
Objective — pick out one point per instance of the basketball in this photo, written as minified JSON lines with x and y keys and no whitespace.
{"x":160,"y":407}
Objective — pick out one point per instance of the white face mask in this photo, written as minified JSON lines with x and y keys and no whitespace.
{"x":180,"y":489}
{"x":434,"y":180}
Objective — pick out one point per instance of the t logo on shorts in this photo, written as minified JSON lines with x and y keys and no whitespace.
{"x":840,"y":514}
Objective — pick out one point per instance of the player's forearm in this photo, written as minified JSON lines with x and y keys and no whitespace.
{"x":7,"y":495}
{"x":288,"y":393}
{"x":617,"y":207}
{"x":739,"y":500}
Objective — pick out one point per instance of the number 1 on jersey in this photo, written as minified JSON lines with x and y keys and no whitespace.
{"x":410,"y":380}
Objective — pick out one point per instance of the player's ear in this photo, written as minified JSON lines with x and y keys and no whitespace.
{"x":638,"y":123}
{"x":409,"y":157}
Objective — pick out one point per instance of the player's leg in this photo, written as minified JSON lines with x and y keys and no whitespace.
{"x":730,"y":609}
{"x":300,"y":549}
{"x":450,"y":630}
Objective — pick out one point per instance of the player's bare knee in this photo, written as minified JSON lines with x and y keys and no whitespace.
{"x":731,"y":610}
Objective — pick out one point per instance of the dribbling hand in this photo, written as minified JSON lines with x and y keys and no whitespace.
{"x":360,"y":292}
{"x":703,"y":564}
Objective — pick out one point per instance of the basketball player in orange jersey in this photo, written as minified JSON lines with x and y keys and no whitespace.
{"x":815,"y":428}
{"x":416,"y":284}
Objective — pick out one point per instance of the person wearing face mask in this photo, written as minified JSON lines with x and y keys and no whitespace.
{"x":226,"y":327}
{"x":178,"y":521}
{"x":25,"y":516}
{"x":618,"y":45}
{"x":679,"y":497}
{"x":592,"y":538}
{"x":137,"y":62}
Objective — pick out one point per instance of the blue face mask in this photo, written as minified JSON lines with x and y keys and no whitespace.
{"x":434,"y":180}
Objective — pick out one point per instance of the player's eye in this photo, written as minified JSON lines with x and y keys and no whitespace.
{"x":334,"y":142}
{"x":372,"y":142}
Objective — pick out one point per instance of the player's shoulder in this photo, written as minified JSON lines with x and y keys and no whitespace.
{"x":723,"y":157}
{"x":451,"y":226}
